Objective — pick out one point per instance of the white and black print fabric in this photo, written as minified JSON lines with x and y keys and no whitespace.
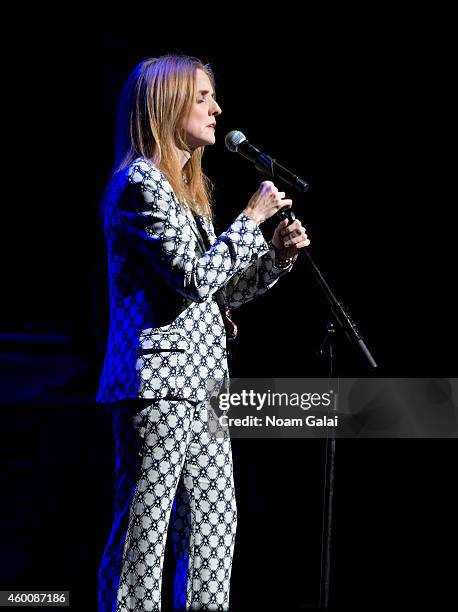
{"x":166,"y":335}
{"x":166,"y":341}
{"x":165,"y":455}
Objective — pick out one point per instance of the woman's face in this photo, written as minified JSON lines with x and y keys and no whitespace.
{"x":200,"y":126}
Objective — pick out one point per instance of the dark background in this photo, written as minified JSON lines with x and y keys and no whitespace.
{"x":357,"y":105}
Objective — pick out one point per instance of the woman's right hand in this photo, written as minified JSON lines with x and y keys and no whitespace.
{"x":266,"y":202}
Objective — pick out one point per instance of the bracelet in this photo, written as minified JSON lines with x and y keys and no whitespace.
{"x":281,"y":262}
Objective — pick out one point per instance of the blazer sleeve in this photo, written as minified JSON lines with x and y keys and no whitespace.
{"x":260,"y":276}
{"x":148,"y":218}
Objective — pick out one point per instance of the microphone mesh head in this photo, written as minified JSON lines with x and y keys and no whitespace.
{"x":233,"y":139}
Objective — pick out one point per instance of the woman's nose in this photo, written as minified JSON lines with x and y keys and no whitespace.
{"x":216,"y":110}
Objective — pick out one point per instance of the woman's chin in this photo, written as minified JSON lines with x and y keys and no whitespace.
{"x":203,"y":143}
{"x":209,"y":139}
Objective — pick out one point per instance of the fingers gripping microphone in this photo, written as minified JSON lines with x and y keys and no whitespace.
{"x":237,"y":143}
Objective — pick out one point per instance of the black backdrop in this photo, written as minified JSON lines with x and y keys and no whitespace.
{"x":355,"y":110}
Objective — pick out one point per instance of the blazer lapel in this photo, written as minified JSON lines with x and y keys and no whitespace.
{"x":206,"y":231}
{"x":202,"y":230}
{"x":195,"y":230}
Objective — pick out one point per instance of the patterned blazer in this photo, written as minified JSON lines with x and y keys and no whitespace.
{"x":167,"y":336}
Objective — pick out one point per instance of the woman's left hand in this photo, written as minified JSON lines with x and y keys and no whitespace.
{"x":289,"y":239}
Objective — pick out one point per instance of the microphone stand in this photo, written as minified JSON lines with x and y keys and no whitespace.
{"x":269,"y":167}
{"x":328,"y":349}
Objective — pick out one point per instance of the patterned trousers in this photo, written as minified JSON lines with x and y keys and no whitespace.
{"x":168,"y":466}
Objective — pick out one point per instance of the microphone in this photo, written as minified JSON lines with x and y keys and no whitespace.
{"x":237,"y":143}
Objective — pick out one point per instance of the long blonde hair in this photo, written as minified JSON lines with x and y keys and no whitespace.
{"x":154,"y":104}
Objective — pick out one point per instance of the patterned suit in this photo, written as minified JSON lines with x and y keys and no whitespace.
{"x":166,"y":340}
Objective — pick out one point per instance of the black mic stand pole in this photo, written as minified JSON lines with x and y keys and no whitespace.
{"x":268,"y":166}
{"x":328,"y":349}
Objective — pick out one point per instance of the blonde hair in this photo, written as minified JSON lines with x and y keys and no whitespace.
{"x":154,"y":106}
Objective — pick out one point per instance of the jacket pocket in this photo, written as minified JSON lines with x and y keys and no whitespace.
{"x":170,"y":341}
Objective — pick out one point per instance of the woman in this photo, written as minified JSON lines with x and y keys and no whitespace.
{"x":172,"y":282}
